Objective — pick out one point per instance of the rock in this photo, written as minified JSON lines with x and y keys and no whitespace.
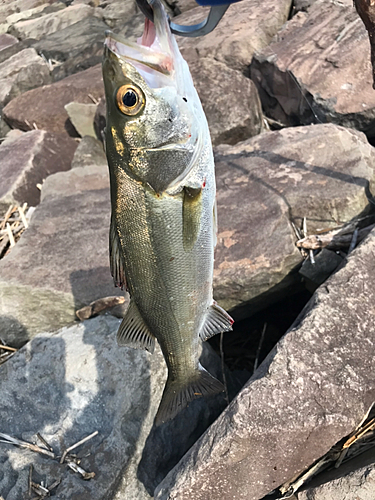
{"x":27,"y":160}
{"x":326,"y":262}
{"x":360,"y":482}
{"x":125,"y":17}
{"x":230,"y":101}
{"x":44,"y":106}
{"x":49,"y":23}
{"x":13,"y":49}
{"x":245,"y":28}
{"x":21,"y":72}
{"x":26,"y":14}
{"x":10,"y":7}
{"x":61,"y":262}
{"x":89,"y":152}
{"x":100,"y":119}
{"x":75,"y":48}
{"x":314,"y":388}
{"x":317,"y":71}
{"x":7,"y":40}
{"x":82,"y":117}
{"x":92,"y":385}
{"x":271,"y":180}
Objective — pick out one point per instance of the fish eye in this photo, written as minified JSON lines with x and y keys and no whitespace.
{"x":130,"y":100}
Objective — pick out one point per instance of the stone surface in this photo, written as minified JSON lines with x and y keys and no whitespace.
{"x":125,"y":17}
{"x":75,"y":48}
{"x":49,"y":23}
{"x":7,"y":40}
{"x":26,"y":14}
{"x":27,"y":160}
{"x":314,"y":388}
{"x":82,"y":117}
{"x":268,"y":181}
{"x":78,"y":381}
{"x":245,"y":28}
{"x":21,"y":72}
{"x":230,"y":101}
{"x":319,"y":69}
{"x":61,"y":262}
{"x":326,"y":262}
{"x":89,"y":152}
{"x":44,"y":106}
{"x":11,"y":6}
{"x":357,"y":485}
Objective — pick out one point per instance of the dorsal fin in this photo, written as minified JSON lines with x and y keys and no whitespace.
{"x":116,"y":257}
{"x":134,"y":332}
{"x":217,"y":321}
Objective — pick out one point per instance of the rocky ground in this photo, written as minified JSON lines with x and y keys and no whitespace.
{"x":287,"y":90}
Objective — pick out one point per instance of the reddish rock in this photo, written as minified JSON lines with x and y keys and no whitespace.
{"x":27,"y":160}
{"x":7,"y":40}
{"x":44,"y":106}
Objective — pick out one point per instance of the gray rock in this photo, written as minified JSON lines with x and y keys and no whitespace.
{"x":44,"y":106}
{"x":358,"y":484}
{"x":77,"y":381}
{"x":26,"y":14}
{"x":23,"y":71}
{"x":271,"y":180}
{"x":317,"y":70}
{"x":89,"y":152}
{"x":61,"y":262}
{"x":7,"y":40}
{"x":313,"y":389}
{"x":230,"y":101}
{"x":9,"y":7}
{"x":27,"y":160}
{"x":49,"y":23}
{"x":325,"y":264}
{"x":246,"y":27}
{"x":75,"y":48}
{"x":124,"y":16}
{"x":82,"y":117}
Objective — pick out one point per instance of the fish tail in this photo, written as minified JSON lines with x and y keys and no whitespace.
{"x":179,"y":393}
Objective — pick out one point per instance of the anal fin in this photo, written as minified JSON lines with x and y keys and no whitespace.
{"x":134,"y":332}
{"x":217,"y":321}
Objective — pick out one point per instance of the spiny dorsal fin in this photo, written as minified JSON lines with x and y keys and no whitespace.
{"x":115,"y":257}
{"x":179,"y":393}
{"x":217,"y":320}
{"x":133,"y":331}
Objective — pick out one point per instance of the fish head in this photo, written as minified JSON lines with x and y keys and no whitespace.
{"x":155,"y":121}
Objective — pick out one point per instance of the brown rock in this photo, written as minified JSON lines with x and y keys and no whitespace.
{"x":61,"y":262}
{"x":27,"y":160}
{"x":269,"y":181}
{"x":7,"y":40}
{"x":230,"y":101}
{"x":245,"y":28}
{"x":44,"y":106}
{"x":11,"y":6}
{"x":313,"y":389}
{"x":319,"y":69}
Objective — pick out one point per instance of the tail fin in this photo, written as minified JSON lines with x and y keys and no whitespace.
{"x":178,"y":394}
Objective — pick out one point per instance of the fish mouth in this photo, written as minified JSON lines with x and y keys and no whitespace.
{"x":154,"y":55}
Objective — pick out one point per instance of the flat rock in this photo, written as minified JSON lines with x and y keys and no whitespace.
{"x":23,"y":71}
{"x":61,"y":262}
{"x":7,"y":40}
{"x":82,"y":117}
{"x":11,"y":6}
{"x":271,"y":180}
{"x":230,"y":101}
{"x":49,"y":23}
{"x":89,"y":152}
{"x":245,"y":28}
{"x":26,"y":14}
{"x":314,"y":388}
{"x":93,"y":385}
{"x":27,"y":160}
{"x":124,"y":16}
{"x":318,"y":69}
{"x":44,"y":106}
{"x":74,"y":48}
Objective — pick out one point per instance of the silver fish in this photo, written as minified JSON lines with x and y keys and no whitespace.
{"x":163,"y":227}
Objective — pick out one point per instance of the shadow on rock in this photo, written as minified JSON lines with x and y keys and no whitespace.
{"x":15,"y":333}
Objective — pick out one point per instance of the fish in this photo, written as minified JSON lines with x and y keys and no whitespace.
{"x":163,"y":220}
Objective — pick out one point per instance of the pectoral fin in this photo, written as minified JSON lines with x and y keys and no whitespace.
{"x":116,"y":257}
{"x":191,"y":214}
{"x":134,"y":332}
{"x":217,"y":321}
